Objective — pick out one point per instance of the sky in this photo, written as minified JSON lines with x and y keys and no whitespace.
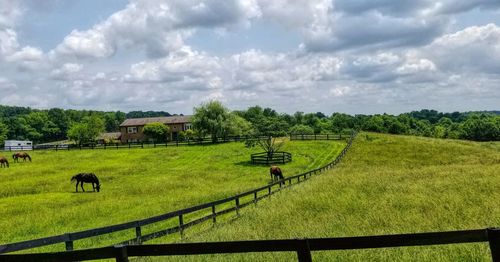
{"x":351,"y":56}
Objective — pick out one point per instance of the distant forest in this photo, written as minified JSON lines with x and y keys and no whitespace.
{"x":42,"y":126}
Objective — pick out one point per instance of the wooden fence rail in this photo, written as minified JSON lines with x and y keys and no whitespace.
{"x":302,"y":247}
{"x":185,"y":142}
{"x":136,"y":225}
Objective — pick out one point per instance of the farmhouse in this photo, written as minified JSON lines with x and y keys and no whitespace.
{"x":131,"y":129}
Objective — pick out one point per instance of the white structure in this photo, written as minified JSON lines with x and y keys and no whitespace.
{"x":16,"y":145}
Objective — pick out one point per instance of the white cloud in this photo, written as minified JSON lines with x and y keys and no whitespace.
{"x":475,"y":49}
{"x":67,"y":71}
{"x":159,"y":26}
{"x":8,"y":42}
{"x":9,"y":13}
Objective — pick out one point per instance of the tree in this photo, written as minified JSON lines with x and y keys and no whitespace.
{"x":86,"y":131}
{"x":270,"y":145}
{"x":3,"y":133}
{"x":238,"y":126}
{"x":481,"y":128}
{"x":156,"y":131}
{"x":210,"y":119}
{"x":301,"y":130}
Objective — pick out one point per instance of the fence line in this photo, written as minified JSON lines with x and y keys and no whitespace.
{"x":69,"y":238}
{"x":186,"y":142}
{"x":128,"y":145}
{"x":302,"y":247}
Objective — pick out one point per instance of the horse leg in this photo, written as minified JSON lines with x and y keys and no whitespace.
{"x":76,"y":188}
{"x":81,"y":185}
{"x":93,"y":187}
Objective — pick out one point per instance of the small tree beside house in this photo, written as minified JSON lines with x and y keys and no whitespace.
{"x":156,"y":131}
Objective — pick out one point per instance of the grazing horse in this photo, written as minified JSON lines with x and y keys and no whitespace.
{"x":4,"y":162}
{"x":87,"y":178}
{"x":276,"y":174}
{"x":22,"y":155}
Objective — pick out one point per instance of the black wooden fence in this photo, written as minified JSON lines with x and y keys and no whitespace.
{"x":319,"y":137}
{"x":211,"y":208}
{"x":275,"y":158}
{"x":128,"y":145}
{"x":302,"y":247}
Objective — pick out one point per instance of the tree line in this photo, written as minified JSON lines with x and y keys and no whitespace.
{"x":215,"y":120}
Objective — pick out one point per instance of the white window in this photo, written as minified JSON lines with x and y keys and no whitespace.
{"x":132,"y":129}
{"x":187,"y":127}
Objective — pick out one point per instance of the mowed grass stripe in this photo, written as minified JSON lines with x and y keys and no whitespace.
{"x":37,"y":198}
{"x":385,"y":185}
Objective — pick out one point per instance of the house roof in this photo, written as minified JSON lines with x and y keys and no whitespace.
{"x":163,"y":120}
{"x":112,"y":135}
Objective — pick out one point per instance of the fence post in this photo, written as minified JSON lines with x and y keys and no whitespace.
{"x":494,"y":240}
{"x":303,"y":251}
{"x":138,"y":235}
{"x":68,"y":242}
{"x":327,"y":137}
{"x":181,"y":225}
{"x":214,"y":215}
{"x":142,"y":144}
{"x":129,"y":145}
{"x":269,"y":190}
{"x":255,"y":197}
{"x":121,"y":254}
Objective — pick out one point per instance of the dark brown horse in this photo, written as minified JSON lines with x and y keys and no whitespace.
{"x":22,"y":155}
{"x":276,"y":174}
{"x":87,"y":178}
{"x":4,"y":162}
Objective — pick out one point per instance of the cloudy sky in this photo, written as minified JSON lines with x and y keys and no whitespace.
{"x":353,"y":56}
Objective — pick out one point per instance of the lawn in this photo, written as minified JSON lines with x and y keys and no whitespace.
{"x":37,"y":199}
{"x":386,"y":185}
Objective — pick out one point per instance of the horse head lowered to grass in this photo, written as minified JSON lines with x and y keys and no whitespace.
{"x":86,"y":178}
{"x":22,"y":155}
{"x":276,"y":174}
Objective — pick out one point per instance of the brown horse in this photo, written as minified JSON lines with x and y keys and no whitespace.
{"x":4,"y":162}
{"x":276,"y":174}
{"x":87,"y":178}
{"x":22,"y":155}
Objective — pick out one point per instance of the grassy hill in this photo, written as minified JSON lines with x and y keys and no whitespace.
{"x":38,"y":200}
{"x":386,"y":185}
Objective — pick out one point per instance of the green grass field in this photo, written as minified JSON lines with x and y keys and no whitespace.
{"x":38,"y":200}
{"x":385,"y":185}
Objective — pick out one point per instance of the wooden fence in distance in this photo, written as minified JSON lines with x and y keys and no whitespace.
{"x":211,"y":207}
{"x":129,"y":145}
{"x":275,"y":158}
{"x":302,"y":247}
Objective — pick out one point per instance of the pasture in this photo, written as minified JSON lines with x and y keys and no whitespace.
{"x":38,"y":200}
{"x":386,"y":185}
